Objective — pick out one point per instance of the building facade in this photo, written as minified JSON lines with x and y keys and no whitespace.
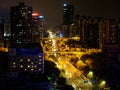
{"x":88,"y":29}
{"x":37,"y":27}
{"x":21,"y":24}
{"x":28,"y":59}
{"x":1,"y":27}
{"x":25,"y":53}
{"x":111,"y":31}
{"x":68,"y":15}
{"x":1,"y":31}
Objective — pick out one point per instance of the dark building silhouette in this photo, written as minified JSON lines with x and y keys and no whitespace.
{"x":37,"y":27}
{"x":111,"y":30}
{"x":68,"y":15}
{"x":21,"y":23}
{"x":91,"y":32}
{"x":88,"y":29}
{"x":1,"y":30}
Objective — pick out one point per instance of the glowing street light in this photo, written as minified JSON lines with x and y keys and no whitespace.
{"x":102,"y":83}
{"x":90,"y":74}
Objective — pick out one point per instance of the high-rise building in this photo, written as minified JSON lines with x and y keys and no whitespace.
{"x":37,"y":27}
{"x":78,"y":25}
{"x":41,"y":25}
{"x":68,"y":14}
{"x":111,"y":32}
{"x":1,"y":30}
{"x":25,"y":53}
{"x":118,"y":30}
{"x":21,"y":20}
{"x":89,"y":34}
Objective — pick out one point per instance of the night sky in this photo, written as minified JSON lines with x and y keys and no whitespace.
{"x":52,"y":9}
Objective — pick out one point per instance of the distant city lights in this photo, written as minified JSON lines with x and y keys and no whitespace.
{"x":60,"y":35}
{"x":65,"y":5}
{"x":40,"y":17}
{"x":35,"y":14}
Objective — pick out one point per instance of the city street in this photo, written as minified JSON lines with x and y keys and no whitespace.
{"x":56,"y":50}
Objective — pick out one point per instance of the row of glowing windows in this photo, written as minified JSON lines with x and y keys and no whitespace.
{"x":26,"y":60}
{"x":28,"y":68}
{"x":24,"y":66}
{"x":20,"y":25}
{"x":14,"y":63}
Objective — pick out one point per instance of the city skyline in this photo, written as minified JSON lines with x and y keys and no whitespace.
{"x":55,"y":45}
{"x":53,"y":11}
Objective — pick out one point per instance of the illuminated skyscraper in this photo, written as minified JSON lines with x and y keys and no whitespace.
{"x":23,"y":54}
{"x":68,"y":14}
{"x":41,"y":25}
{"x":37,"y":27}
{"x":21,"y":20}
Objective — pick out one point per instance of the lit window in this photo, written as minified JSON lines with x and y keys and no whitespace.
{"x":14,"y":63}
{"x":39,"y":62}
{"x":28,"y":60}
{"x":21,"y":60}
{"x":14,"y":66}
{"x":65,"y":5}
{"x":28,"y":66}
{"x":39,"y":69}
{"x":39,"y":56}
{"x":25,"y":69}
{"x":29,"y":11}
{"x":35,"y":66}
{"x":31,"y":62}
{"x":21,"y":66}
{"x":32,"y":69}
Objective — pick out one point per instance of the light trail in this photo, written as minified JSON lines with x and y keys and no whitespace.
{"x":51,"y":35}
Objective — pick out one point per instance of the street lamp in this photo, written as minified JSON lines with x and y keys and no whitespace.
{"x":90,"y":74}
{"x":102,"y":83}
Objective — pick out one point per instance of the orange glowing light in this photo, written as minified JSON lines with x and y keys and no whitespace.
{"x":35,"y":14}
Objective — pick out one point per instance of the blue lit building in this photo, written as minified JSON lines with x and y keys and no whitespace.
{"x":26,"y":59}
